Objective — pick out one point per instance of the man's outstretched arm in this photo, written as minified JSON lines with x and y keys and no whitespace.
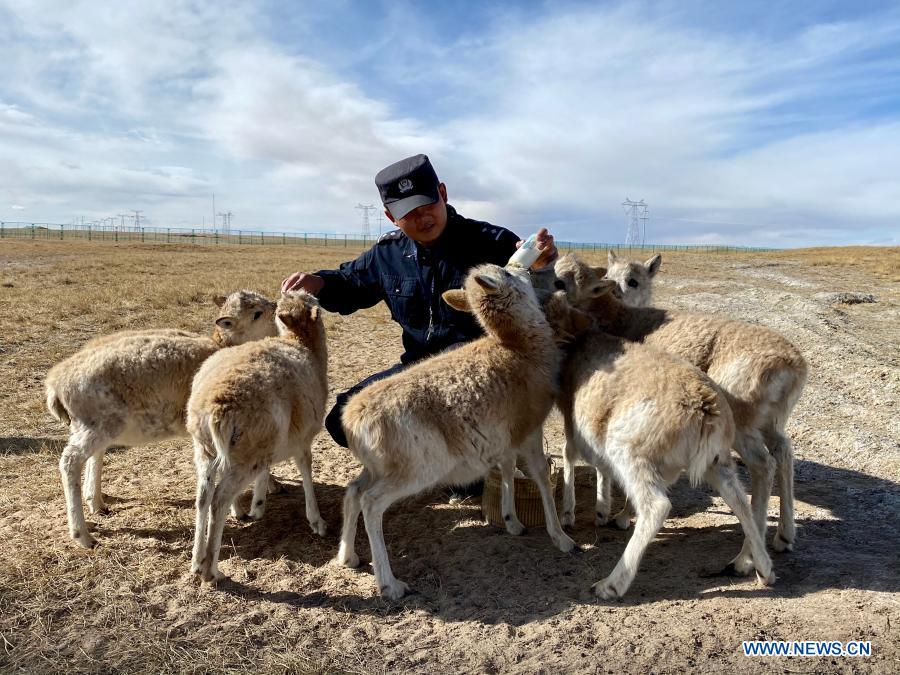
{"x":355,"y":285}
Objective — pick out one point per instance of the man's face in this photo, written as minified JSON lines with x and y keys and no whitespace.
{"x":426,"y":223}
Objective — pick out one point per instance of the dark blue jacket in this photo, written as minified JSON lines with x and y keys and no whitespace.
{"x":411,"y":278}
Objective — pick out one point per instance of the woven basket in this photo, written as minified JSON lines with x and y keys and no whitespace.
{"x":529,"y":507}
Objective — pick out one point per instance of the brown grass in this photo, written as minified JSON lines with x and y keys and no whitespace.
{"x":486,"y":601}
{"x":882,"y":262}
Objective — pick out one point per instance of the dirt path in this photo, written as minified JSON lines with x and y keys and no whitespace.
{"x":485,"y":602}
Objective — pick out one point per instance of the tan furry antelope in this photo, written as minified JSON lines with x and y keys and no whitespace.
{"x":761,"y":373}
{"x":253,"y":406}
{"x":131,"y":388}
{"x":450,"y":419}
{"x":634,"y":280}
{"x":645,"y":417}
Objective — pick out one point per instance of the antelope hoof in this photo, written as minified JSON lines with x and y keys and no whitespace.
{"x":394,"y":590}
{"x":765,"y":580}
{"x":213,"y":576}
{"x":346,"y":559}
{"x":565,"y":543}
{"x":84,"y":539}
{"x":781,"y":543}
{"x":606,"y":590}
{"x":318,"y":527}
{"x":513,"y":525}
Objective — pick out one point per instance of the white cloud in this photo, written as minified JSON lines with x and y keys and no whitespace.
{"x":540,"y":119}
{"x":117,"y":58}
{"x":577,"y":112}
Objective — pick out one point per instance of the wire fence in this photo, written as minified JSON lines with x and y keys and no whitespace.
{"x":202,"y":236}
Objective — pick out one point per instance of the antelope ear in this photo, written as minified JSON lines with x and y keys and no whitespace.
{"x":456,"y":298}
{"x":219,"y":300}
{"x":611,"y":257}
{"x":652,"y":265}
{"x":602,"y":287}
{"x":487,"y":283}
{"x":290,"y":321}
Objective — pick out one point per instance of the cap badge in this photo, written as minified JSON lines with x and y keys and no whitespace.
{"x":405,"y":185}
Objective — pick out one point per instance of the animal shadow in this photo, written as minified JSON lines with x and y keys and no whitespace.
{"x":462,"y":569}
{"x":23,"y":445}
{"x":283,"y":531}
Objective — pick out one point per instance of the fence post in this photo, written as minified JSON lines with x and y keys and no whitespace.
{"x":283,"y":239}
{"x":142,"y":235}
{"x":1,"y":229}
{"x":89,"y":232}
{"x":193,"y":237}
{"x":167,"y":235}
{"x":345,"y":241}
{"x":305,"y":240}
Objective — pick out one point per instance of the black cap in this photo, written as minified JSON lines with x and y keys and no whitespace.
{"x":407,"y":185}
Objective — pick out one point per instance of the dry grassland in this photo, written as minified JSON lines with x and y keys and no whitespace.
{"x":486,"y":602}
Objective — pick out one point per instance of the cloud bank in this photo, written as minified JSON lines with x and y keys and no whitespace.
{"x":551,"y":116}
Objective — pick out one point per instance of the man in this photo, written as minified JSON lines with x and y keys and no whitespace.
{"x":409,"y":268}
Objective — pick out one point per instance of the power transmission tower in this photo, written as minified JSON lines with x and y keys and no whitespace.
{"x":380,"y":222}
{"x":137,"y":219}
{"x":226,"y":221}
{"x":365,"y":208}
{"x":644,"y":217}
{"x":637,"y":222}
{"x":122,"y":217}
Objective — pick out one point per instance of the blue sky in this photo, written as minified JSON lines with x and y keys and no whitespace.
{"x":745,"y":123}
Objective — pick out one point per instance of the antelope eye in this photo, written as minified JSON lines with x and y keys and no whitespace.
{"x":633,"y":283}
{"x":559,"y":285}
{"x":257,"y":315}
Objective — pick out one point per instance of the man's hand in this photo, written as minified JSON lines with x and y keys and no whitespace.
{"x":301,"y":280}
{"x":545,"y":246}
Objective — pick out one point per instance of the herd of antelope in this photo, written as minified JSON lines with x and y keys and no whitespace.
{"x":645,"y":394}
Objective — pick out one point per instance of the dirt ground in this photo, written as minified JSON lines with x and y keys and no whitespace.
{"x":485,"y":601}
